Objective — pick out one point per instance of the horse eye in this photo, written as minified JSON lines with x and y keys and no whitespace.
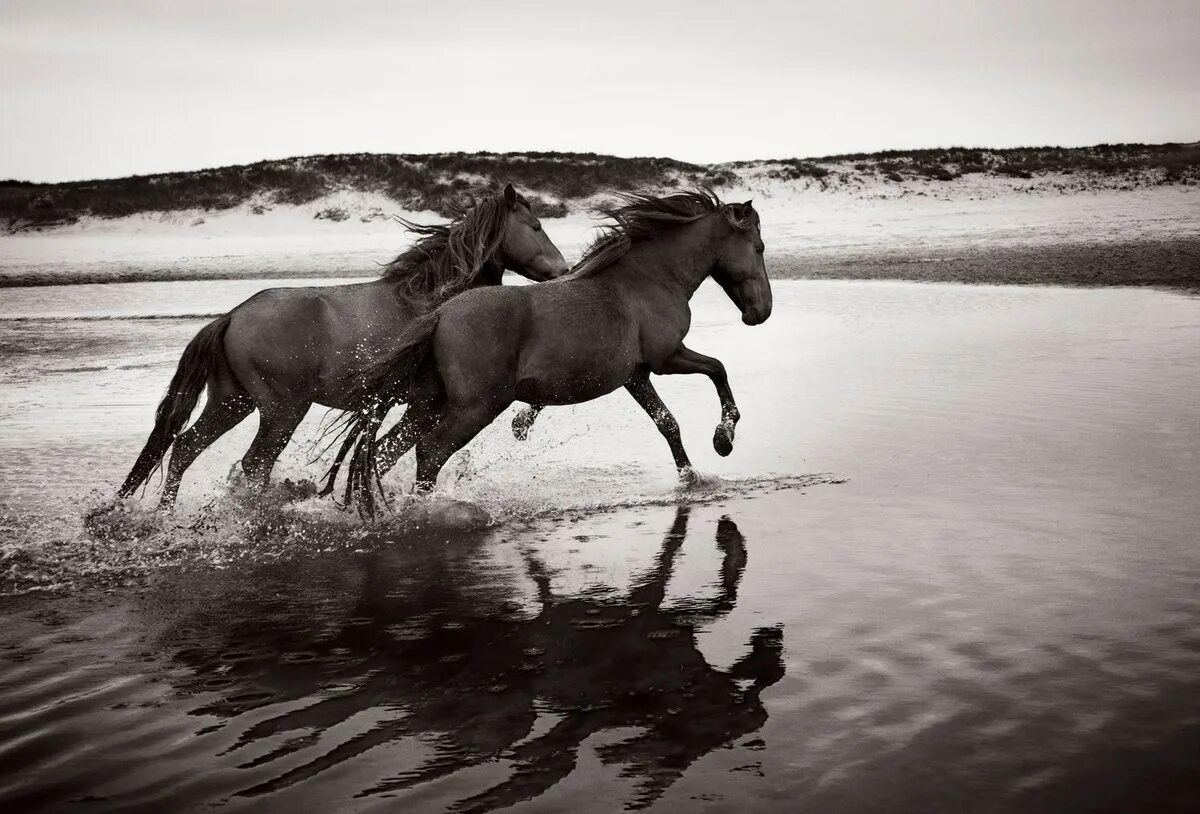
{"x":760,"y":248}
{"x":537,"y":227}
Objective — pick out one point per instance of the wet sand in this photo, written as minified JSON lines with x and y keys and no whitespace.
{"x":997,"y":610}
{"x":976,"y":229}
{"x":1168,"y":263}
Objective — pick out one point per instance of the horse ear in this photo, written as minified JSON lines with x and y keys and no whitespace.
{"x":510,"y":196}
{"x":748,"y":207}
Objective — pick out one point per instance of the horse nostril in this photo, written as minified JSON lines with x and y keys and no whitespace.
{"x":554,"y":267}
{"x":756,"y":315}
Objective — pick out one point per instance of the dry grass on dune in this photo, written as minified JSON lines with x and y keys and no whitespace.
{"x":561,"y":182}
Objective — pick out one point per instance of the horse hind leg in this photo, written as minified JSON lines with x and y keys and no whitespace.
{"x":419,"y":419}
{"x":275,"y":429}
{"x":456,"y":429}
{"x":217,"y":418}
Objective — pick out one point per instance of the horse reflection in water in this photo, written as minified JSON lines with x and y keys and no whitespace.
{"x":471,"y":675}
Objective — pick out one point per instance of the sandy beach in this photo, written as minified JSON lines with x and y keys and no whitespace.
{"x":1053,"y":229}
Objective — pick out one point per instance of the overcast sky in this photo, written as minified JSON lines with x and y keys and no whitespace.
{"x":96,"y":89}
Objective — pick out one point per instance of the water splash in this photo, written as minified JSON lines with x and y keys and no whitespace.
{"x":122,"y":543}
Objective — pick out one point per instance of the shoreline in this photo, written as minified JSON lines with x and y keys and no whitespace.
{"x":1169,"y":263}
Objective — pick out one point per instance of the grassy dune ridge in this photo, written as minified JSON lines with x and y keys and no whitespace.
{"x":560,"y":183}
{"x":1126,"y":214}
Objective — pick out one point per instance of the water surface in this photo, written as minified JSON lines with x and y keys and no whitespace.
{"x":997,"y":610}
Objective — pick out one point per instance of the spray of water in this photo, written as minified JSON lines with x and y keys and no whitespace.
{"x":122,"y":544}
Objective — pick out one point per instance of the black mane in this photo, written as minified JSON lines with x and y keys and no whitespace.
{"x":447,"y":258}
{"x":639,"y":217}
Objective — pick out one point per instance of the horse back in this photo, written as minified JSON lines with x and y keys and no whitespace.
{"x":306,"y":342}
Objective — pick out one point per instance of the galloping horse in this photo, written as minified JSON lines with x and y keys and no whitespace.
{"x":285,"y":349}
{"x":621,"y":315}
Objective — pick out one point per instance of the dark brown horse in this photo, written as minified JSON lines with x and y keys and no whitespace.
{"x":620,"y":316}
{"x":285,"y":349}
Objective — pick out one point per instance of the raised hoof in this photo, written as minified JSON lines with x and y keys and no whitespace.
{"x":522,"y":423}
{"x":723,"y":439}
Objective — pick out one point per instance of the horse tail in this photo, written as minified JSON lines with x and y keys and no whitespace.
{"x":382,"y":385}
{"x":389,"y":378}
{"x":176,"y":407}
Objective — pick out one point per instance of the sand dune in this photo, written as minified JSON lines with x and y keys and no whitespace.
{"x":967,"y":229}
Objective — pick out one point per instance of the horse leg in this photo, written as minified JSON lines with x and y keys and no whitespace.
{"x":457,"y":427}
{"x":419,"y":419}
{"x":522,"y":422}
{"x":685,"y":361}
{"x":643,"y":392}
{"x":218,"y":418}
{"x":275,"y":428}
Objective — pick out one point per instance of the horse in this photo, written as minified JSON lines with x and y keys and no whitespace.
{"x":619,"y":317}
{"x":285,"y":349}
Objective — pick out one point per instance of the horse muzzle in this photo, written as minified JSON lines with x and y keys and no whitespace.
{"x":752,"y":299}
{"x":550,"y":268}
{"x":756,"y":314}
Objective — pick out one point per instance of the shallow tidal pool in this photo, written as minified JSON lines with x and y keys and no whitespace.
{"x":951,"y":564}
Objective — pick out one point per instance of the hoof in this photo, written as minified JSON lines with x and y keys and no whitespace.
{"x":299,"y":489}
{"x":98,"y":512}
{"x":723,"y":439}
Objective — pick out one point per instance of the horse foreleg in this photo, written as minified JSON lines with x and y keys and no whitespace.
{"x":647,"y":397}
{"x":686,"y":361}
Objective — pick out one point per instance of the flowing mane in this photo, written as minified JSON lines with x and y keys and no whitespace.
{"x":447,"y":258}
{"x":639,"y":217}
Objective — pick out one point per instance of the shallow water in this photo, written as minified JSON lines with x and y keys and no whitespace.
{"x":996,"y":611}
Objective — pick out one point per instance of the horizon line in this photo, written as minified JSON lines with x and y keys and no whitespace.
{"x":514,"y":153}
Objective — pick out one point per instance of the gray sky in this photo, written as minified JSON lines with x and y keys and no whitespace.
{"x":95,"y":89}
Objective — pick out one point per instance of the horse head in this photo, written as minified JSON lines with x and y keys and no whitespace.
{"x":740,"y":268}
{"x":524,"y":246}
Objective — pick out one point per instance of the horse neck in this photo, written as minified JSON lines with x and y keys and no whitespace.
{"x":491,"y":273}
{"x":678,"y":261}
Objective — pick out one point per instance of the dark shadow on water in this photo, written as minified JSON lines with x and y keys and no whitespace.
{"x":435,"y":644}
